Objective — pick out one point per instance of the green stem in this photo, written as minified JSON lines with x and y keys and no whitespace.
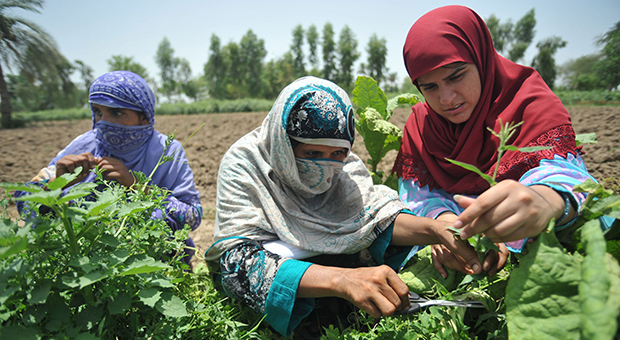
{"x":73,"y":246}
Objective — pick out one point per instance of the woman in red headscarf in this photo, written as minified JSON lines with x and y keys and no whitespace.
{"x":468,"y":88}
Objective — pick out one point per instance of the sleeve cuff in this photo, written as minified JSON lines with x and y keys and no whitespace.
{"x":283,"y":310}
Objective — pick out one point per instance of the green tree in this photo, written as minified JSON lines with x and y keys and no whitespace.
{"x":348,"y":55}
{"x":235,"y":71}
{"x":609,"y":67}
{"x":86,"y":73}
{"x":522,"y":35}
{"x":312,"y":36}
{"x":581,"y":74}
{"x":329,"y":53}
{"x":253,"y":53}
{"x":544,"y":61}
{"x":215,"y":70}
{"x":501,"y":33}
{"x":512,"y":39}
{"x":277,"y":74}
{"x":122,"y":63}
{"x":167,"y":64}
{"x":26,"y":46}
{"x":299,"y":67}
{"x":377,"y":55}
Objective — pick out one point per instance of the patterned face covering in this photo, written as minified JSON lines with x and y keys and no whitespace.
{"x":122,"y":138}
{"x":318,"y":174}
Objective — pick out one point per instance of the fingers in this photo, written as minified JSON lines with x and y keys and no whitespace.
{"x":495,"y":261}
{"x":443,"y":257}
{"x":69,"y":163}
{"x":377,"y":290}
{"x":461,"y":250}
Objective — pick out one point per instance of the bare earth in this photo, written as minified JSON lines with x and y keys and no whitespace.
{"x":25,"y":151}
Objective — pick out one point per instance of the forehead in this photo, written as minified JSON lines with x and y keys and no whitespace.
{"x":322,"y":148}
{"x":442,"y":72}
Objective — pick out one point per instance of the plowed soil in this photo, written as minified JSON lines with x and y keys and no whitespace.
{"x":23,"y":152}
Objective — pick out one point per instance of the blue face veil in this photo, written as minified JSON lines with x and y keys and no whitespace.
{"x":123,"y":90}
{"x":138,"y":147}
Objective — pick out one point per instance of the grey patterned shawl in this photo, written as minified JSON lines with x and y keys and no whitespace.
{"x":260,"y":195}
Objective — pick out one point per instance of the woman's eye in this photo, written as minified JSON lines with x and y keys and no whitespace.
{"x":458,"y":76}
{"x":428,"y":88}
{"x":117,"y":113}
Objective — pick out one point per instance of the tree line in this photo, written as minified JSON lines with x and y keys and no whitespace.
{"x":39,"y":77}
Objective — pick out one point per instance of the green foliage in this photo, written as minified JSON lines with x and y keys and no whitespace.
{"x":329,"y":50}
{"x":347,"y":56}
{"x":595,"y":97}
{"x":610,"y":63}
{"x":421,"y":276}
{"x":565,"y":296}
{"x":544,"y":61}
{"x":377,"y":54}
{"x":380,"y":136}
{"x":122,"y":63}
{"x":299,"y":68}
{"x":513,"y":38}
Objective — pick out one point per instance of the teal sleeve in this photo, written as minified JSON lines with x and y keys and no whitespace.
{"x":380,"y":245}
{"x":283,"y":310}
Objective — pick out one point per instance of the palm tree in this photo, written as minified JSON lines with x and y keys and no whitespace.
{"x":25,"y":46}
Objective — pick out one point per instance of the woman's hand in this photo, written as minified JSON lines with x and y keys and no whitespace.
{"x":509,"y":211}
{"x":377,"y":290}
{"x":443,"y":257}
{"x":412,"y":230}
{"x":116,"y":170}
{"x":69,"y":163}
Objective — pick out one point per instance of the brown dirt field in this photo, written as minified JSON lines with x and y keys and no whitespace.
{"x":25,"y":151}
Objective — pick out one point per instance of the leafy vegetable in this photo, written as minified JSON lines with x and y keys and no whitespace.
{"x":380,"y":136}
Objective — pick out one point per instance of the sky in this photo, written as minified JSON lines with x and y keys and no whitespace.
{"x":93,"y":31}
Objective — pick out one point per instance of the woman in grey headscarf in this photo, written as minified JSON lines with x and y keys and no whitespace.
{"x":298,"y":216}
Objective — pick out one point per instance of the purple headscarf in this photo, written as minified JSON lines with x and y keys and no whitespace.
{"x":123,"y":89}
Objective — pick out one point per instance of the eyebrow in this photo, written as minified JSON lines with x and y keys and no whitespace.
{"x":447,"y":77}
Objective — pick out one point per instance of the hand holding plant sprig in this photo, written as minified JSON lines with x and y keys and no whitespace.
{"x":481,"y":243}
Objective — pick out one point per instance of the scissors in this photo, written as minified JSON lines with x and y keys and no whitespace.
{"x":418,"y":303}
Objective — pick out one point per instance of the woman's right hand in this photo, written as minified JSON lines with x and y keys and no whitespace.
{"x":69,"y":163}
{"x":377,"y":290}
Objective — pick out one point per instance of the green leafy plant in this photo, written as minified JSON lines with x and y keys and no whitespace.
{"x":481,"y":243}
{"x":380,"y":136}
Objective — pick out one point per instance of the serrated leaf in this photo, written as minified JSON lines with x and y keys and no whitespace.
{"x":62,"y":181}
{"x":72,"y":195}
{"x":132,"y":208}
{"x":171,"y":306}
{"x":40,"y":292}
{"x":90,"y":278}
{"x":367,"y":94}
{"x":144,"y":266}
{"x":19,"y":332}
{"x":16,"y":248}
{"x":585,"y":138}
{"x":404,"y":98}
{"x":162,"y":283}
{"x":149,"y":296}
{"x":119,"y":303}
{"x":26,"y":187}
{"x":47,"y":198}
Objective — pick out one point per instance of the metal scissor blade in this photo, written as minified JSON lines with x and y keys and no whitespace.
{"x":471,"y":304}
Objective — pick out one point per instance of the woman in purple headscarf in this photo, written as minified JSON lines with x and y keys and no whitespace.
{"x":122,"y":141}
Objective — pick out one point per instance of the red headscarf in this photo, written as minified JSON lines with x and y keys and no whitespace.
{"x":510,"y":92}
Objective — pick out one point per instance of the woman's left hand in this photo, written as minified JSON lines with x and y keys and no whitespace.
{"x":116,"y":170}
{"x":509,"y":211}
